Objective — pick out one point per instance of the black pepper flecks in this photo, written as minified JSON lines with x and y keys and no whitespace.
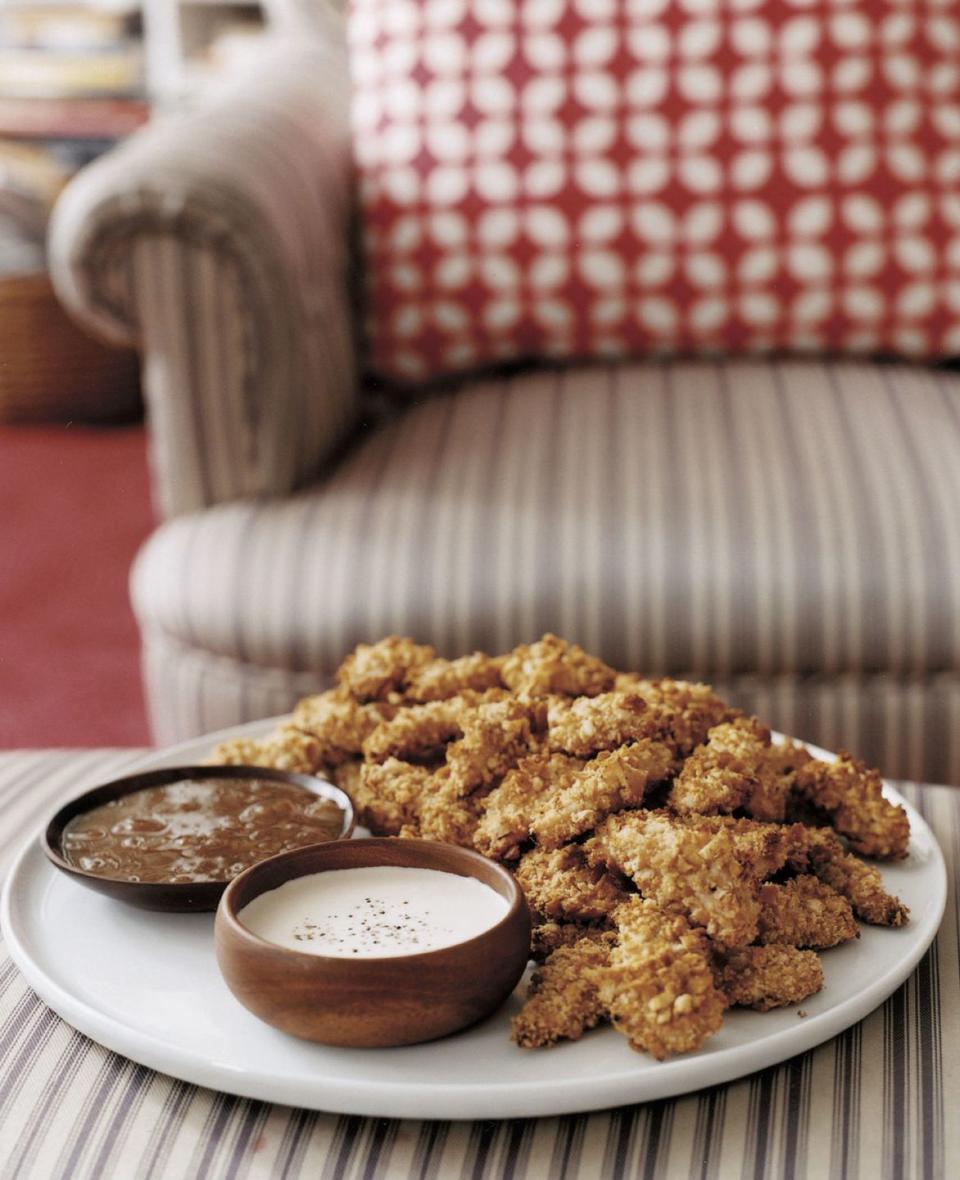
{"x":370,"y":925}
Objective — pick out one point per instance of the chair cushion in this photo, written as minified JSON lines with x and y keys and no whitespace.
{"x":720,"y":519}
{"x":595,"y":178}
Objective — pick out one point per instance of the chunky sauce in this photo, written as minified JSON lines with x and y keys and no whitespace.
{"x":197,"y":830}
{"x":375,"y":912}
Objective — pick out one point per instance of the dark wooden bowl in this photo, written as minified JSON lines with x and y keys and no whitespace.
{"x":371,"y":1002}
{"x":183,"y":897}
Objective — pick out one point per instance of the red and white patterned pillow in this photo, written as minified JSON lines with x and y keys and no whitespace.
{"x":596,"y":178}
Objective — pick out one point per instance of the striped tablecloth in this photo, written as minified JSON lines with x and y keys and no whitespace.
{"x":877,"y":1101}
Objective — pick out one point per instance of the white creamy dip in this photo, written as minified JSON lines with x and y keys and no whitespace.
{"x":376,"y":912}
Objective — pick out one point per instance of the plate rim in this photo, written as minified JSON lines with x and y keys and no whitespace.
{"x":553,"y":1095}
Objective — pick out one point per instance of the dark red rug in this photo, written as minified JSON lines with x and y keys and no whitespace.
{"x":74,"y":508}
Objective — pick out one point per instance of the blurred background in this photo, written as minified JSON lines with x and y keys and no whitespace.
{"x":76,"y":79}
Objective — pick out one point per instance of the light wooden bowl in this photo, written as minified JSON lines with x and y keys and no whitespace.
{"x":400,"y":1000}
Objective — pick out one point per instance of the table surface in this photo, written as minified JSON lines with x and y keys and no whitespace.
{"x":873,"y":1102}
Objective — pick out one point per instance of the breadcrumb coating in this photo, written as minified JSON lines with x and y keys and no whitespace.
{"x":684,"y":710}
{"x":584,"y":726}
{"x":563,"y":1000}
{"x":287,"y":748}
{"x":554,"y":666}
{"x":547,"y":936}
{"x":861,"y":884}
{"x":689,"y":870}
{"x":505,"y":824}
{"x":851,"y":796}
{"x":339,"y":723}
{"x":805,"y":912}
{"x":442,"y":813}
{"x":615,"y":779}
{"x":659,"y":987}
{"x":723,"y":774}
{"x":372,"y":671}
{"x":560,"y":884}
{"x":441,"y":679}
{"x":388,"y":795}
{"x":765,"y":977}
{"x":415,"y":734}
{"x":496,"y":735}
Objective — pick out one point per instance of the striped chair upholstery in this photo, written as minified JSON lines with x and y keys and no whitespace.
{"x":786,"y":530}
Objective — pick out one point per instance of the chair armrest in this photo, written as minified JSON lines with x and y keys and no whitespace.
{"x":219,"y":244}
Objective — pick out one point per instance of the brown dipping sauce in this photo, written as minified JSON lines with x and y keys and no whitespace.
{"x":197,"y":830}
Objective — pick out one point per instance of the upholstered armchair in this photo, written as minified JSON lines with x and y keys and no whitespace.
{"x":785,"y":529}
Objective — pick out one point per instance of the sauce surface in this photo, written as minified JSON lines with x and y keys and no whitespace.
{"x":376,"y":912}
{"x":197,"y":829}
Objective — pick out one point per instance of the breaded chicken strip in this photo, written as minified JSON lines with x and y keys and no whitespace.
{"x":553,"y":666}
{"x":851,"y":797}
{"x":442,"y":813}
{"x":765,"y":977}
{"x":861,"y":884}
{"x":287,"y":748}
{"x":586,"y":725}
{"x":723,"y":774}
{"x":763,"y":849}
{"x":388,"y":794}
{"x":659,"y":987}
{"x":417,"y":733}
{"x":441,"y":679}
{"x":564,"y":998}
{"x":547,"y":936}
{"x":695,"y":871}
{"x":683,"y":711}
{"x":339,"y":723}
{"x":560,"y":884}
{"x":507,"y":811}
{"x":496,"y":735}
{"x":373,"y":671}
{"x":615,"y":779}
{"x":805,"y":912}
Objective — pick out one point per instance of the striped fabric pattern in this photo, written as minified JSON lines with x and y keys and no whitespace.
{"x":786,"y":530}
{"x":874,"y":1103}
{"x":219,"y":244}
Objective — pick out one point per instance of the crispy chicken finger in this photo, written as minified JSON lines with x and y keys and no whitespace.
{"x":507,"y":812}
{"x":659,"y":987}
{"x":417,"y":733}
{"x":564,"y":997}
{"x":560,"y":884}
{"x":684,"y":711}
{"x":554,"y":666}
{"x":688,"y":870}
{"x":339,"y":723}
{"x":374,"y":671}
{"x":388,"y":795}
{"x":547,"y":936}
{"x":496,"y":735}
{"x":765,"y":977}
{"x":851,"y":797}
{"x":615,"y":779}
{"x":804,"y":912}
{"x":723,"y":774}
{"x":586,"y":725}
{"x":287,"y":748}
{"x":861,"y":884}
{"x":441,"y":679}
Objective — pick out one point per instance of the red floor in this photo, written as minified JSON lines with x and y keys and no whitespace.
{"x":74,"y":508}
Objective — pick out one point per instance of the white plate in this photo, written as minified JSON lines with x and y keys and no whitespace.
{"x":147,"y":986}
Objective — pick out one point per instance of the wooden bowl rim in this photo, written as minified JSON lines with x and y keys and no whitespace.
{"x":229,"y":922}
{"x":51,"y":839}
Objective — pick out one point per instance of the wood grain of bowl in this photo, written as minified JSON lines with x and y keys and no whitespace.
{"x":372,"y":1002}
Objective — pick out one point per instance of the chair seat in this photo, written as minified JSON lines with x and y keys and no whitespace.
{"x":750,"y":518}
